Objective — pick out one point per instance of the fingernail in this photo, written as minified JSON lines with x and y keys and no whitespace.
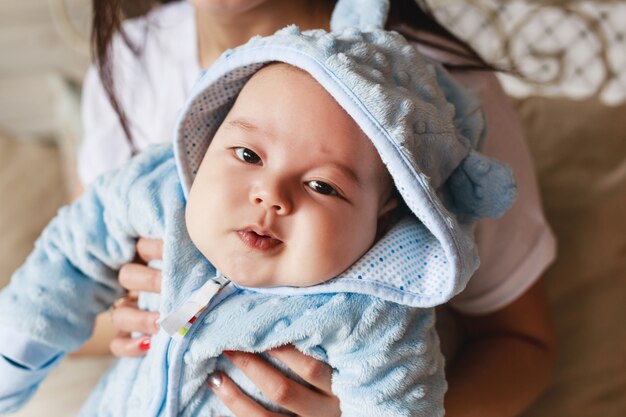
{"x":229,"y":353}
{"x":215,"y":379}
{"x":144,"y":344}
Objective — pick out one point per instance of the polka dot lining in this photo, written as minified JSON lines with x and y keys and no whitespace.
{"x":206,"y":113}
{"x":408,"y":258}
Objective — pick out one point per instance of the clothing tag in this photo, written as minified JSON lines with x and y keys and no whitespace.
{"x":178,"y":322}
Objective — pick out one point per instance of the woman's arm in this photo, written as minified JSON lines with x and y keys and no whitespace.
{"x":506,"y":361}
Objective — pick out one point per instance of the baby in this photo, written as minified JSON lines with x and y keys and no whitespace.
{"x":280,"y":213}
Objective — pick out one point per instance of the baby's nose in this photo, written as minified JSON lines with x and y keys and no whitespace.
{"x":272,"y":198}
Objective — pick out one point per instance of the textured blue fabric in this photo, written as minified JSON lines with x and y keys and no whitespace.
{"x":386,"y":355}
{"x":24,"y":363}
{"x":345,"y":15}
{"x":18,"y":383}
{"x":29,"y":354}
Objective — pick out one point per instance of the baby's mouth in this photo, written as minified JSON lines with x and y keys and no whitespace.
{"x":258,"y":240}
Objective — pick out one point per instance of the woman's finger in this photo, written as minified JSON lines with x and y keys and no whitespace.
{"x":149,"y":249}
{"x":137,"y":277}
{"x":282,"y":390}
{"x":130,"y":300}
{"x":316,"y":373}
{"x":131,"y":319}
{"x":239,"y":403}
{"x":125,"y":346}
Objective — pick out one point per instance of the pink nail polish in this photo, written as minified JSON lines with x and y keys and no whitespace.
{"x":144,"y":344}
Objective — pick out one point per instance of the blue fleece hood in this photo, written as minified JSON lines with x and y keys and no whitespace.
{"x":425,"y":127}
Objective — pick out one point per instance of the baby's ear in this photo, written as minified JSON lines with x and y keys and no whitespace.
{"x":389,"y":206}
{"x":386,"y":216}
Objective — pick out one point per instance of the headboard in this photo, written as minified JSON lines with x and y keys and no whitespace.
{"x":575,"y":49}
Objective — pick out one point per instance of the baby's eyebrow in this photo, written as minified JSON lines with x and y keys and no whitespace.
{"x":250,"y":127}
{"x":345,"y":170}
{"x":243,"y":124}
{"x":348,"y":172}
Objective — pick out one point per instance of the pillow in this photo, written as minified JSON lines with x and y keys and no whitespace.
{"x":580,"y":154}
{"x":31,"y":183}
{"x":579,"y":148}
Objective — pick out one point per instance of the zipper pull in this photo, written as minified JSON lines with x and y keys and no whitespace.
{"x":178,"y":322}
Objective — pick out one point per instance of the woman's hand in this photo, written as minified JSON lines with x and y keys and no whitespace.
{"x":126,"y":316}
{"x":278,"y":388}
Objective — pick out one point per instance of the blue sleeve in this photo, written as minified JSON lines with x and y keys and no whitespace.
{"x":388,"y":363}
{"x":71,"y":275}
{"x":24,"y":363}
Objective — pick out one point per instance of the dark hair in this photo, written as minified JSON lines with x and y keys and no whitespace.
{"x":406,"y":17}
{"x":107,"y":21}
{"x":108,"y":15}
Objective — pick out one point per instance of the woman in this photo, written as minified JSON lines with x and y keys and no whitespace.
{"x":502,"y":358}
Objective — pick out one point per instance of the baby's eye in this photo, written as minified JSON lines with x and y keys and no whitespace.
{"x":322,"y":188}
{"x":248,"y":156}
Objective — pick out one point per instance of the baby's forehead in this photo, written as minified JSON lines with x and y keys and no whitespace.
{"x":282,"y":76}
{"x":337,"y":134}
{"x":310,"y":100}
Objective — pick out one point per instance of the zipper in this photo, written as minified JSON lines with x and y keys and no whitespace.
{"x":157,"y":407}
{"x":173,"y":357}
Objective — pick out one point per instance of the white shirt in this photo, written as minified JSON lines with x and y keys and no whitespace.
{"x":151,"y":88}
{"x":153,"y":85}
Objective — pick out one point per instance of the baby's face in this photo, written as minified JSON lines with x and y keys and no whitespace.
{"x":290,"y":191}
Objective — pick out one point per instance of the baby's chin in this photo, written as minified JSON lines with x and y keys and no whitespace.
{"x":246,"y":271}
{"x":255,"y":280}
{"x":258,"y":279}
{"x":247,"y":276}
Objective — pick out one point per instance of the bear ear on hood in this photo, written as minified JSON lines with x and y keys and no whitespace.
{"x":480,"y":187}
{"x":362,"y":14}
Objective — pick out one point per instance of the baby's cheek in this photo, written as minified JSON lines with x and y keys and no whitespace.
{"x":201,"y":226}
{"x":192,"y":220}
{"x":344,"y":243}
{"x":358,"y":234}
